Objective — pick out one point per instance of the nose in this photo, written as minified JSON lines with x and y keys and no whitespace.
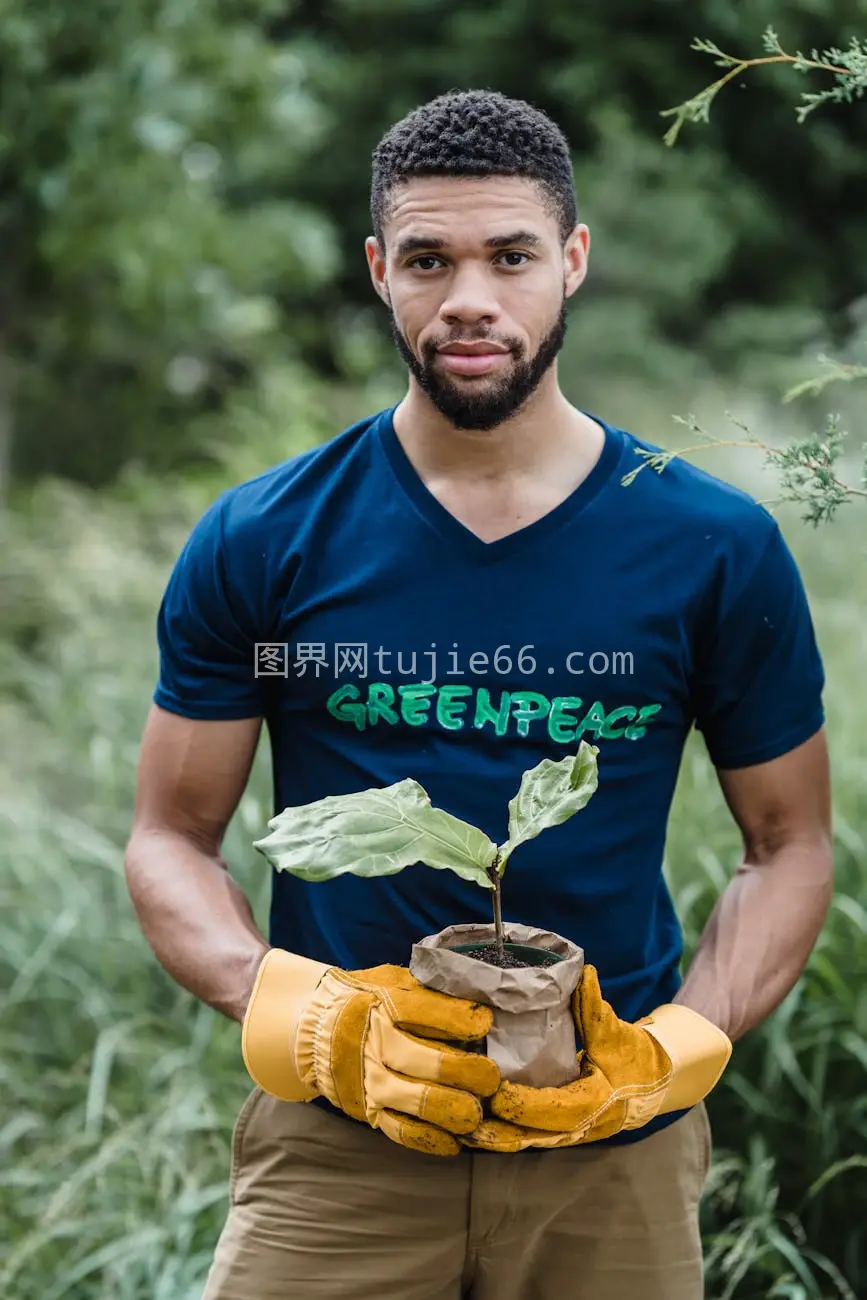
{"x":469,"y":298}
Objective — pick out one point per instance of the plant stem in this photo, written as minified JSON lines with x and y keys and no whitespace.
{"x":494,"y":877}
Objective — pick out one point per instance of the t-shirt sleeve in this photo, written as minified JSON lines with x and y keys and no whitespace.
{"x":206,"y":632}
{"x":759,"y":680}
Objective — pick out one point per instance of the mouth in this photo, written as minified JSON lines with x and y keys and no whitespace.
{"x":472,"y":358}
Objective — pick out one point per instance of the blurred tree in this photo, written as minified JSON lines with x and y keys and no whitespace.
{"x":184,"y":198}
{"x":807,"y":467}
{"x":152,"y":242}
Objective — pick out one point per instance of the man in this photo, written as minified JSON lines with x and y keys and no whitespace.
{"x":477,"y":542}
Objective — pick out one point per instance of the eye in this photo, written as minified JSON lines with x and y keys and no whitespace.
{"x":513,"y":252}
{"x":425,"y":257}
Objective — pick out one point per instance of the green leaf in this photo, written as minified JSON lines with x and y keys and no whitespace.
{"x":549,"y":794}
{"x":375,"y":833}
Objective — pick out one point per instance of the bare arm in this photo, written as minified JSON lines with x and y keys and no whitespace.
{"x":765,"y":924}
{"x":194,"y":916}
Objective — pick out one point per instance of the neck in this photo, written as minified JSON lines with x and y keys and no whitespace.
{"x":546,"y":433}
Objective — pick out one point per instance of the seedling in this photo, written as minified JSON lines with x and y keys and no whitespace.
{"x":379,"y":832}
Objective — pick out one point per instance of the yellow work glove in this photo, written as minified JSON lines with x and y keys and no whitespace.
{"x":628,"y":1074}
{"x":365,"y":1040}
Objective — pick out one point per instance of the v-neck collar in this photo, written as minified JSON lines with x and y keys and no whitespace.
{"x":449,"y":527}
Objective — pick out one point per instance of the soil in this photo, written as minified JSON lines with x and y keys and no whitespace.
{"x":508,"y":961}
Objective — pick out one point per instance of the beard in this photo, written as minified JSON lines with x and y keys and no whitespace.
{"x":498,"y":398}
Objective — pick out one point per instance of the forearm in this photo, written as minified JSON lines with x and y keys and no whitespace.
{"x":760,"y":935}
{"x":196,"y":919}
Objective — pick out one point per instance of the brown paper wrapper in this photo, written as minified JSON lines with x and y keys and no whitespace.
{"x":533,"y":1035}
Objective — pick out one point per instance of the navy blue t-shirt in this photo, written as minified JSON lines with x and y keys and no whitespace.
{"x":380,"y":638}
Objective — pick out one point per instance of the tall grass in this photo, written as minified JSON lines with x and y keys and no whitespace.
{"x":119,"y":1091}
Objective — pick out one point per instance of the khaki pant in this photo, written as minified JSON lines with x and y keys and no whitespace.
{"x":322,"y":1208}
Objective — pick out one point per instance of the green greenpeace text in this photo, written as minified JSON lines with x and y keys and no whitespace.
{"x":565,"y":718}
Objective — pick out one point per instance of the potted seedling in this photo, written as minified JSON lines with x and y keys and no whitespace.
{"x":525,"y":974}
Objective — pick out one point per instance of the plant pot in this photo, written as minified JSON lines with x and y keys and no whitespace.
{"x":533,"y":1036}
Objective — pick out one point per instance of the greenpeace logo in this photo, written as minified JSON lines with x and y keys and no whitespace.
{"x":565,"y":719}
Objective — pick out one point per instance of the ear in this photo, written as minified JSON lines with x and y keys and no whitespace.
{"x":575,"y":256}
{"x":377,"y":266}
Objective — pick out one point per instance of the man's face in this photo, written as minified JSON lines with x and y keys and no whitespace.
{"x":476,"y":263}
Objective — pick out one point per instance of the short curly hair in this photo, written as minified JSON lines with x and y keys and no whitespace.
{"x":475,"y":133}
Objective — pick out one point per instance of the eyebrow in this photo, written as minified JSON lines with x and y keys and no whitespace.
{"x":421,"y":243}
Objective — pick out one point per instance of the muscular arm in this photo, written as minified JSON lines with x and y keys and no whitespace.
{"x":763,"y":928}
{"x":194,"y":916}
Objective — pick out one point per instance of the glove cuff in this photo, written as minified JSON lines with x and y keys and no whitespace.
{"x":284,"y":985}
{"x":699,"y":1052}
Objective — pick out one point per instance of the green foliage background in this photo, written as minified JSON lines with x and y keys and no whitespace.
{"x":184,"y":301}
